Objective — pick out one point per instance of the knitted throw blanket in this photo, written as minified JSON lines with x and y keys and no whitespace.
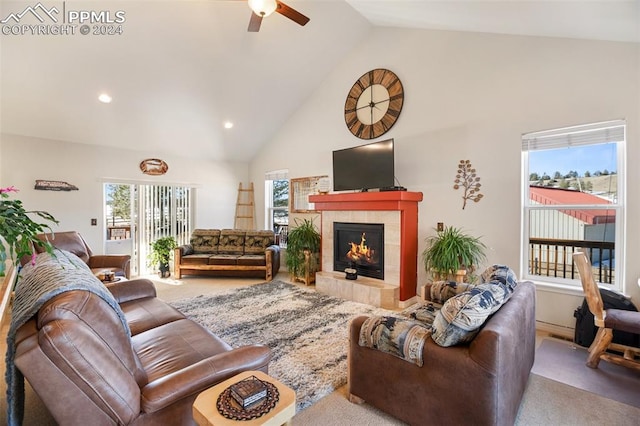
{"x":400,"y":337}
{"x":38,"y":283}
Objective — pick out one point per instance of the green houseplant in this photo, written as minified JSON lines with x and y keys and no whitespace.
{"x":452,"y":254}
{"x":303,"y":250}
{"x":18,"y":231}
{"x":160,"y":254}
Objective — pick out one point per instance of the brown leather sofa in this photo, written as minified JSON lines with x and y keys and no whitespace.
{"x":228,"y":252}
{"x":73,"y":242}
{"x":77,"y":356}
{"x":479,"y":383}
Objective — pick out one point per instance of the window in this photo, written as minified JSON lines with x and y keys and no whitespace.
{"x":277,"y":204}
{"x":118,"y":211}
{"x":573,"y":199}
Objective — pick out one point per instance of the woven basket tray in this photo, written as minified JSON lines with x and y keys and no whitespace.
{"x":229,"y":407}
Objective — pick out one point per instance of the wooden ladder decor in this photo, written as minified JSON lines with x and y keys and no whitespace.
{"x":245,"y":209}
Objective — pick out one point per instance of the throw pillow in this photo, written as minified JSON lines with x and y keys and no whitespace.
{"x":205,"y":240}
{"x":232,"y":241}
{"x":461,"y":317}
{"x":502,"y":273}
{"x":256,"y":242}
{"x":424,"y":312}
{"x":441,"y":291}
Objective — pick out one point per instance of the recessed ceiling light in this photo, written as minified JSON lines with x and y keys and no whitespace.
{"x":104,"y":98}
{"x":228,"y":124}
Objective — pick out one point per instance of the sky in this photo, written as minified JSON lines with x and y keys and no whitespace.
{"x":583,"y":158}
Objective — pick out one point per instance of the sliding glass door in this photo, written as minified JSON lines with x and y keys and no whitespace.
{"x":138,"y":214}
{"x":163,"y":211}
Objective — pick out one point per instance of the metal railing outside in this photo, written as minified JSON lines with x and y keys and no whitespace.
{"x":553,"y":258}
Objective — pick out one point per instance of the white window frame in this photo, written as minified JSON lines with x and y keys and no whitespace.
{"x":573,"y":136}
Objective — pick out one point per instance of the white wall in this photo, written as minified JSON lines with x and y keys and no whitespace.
{"x":26,"y":159}
{"x":471,"y":96}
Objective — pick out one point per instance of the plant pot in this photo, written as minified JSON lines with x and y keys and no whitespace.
{"x":165,"y":271}
{"x":309,"y":268}
{"x":460,"y":276}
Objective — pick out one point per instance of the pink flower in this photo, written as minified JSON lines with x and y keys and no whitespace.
{"x":8,"y":189}
{"x":33,"y":258}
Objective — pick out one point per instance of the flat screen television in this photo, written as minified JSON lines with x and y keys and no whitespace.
{"x":364,"y":167}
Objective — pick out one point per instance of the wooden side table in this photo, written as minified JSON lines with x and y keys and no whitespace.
{"x":205,"y":412}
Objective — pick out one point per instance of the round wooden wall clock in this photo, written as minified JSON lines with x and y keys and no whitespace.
{"x":373,"y":104}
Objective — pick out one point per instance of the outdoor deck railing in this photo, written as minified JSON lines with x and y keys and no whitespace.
{"x":554,"y":258}
{"x":282,"y":232}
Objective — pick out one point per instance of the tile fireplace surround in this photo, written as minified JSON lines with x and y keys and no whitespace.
{"x":398,"y":211}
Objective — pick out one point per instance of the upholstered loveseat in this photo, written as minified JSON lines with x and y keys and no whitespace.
{"x":478,"y":380}
{"x":229,"y":252}
{"x":115,"y":354}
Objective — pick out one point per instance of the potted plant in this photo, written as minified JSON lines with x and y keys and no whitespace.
{"x":160,"y":254}
{"x":18,"y":232}
{"x":453,"y":255}
{"x":303,"y":250}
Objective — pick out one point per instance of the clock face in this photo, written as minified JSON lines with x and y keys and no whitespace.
{"x":373,"y":104}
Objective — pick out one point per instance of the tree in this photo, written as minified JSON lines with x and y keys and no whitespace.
{"x":280,"y":193}
{"x":557,"y":175}
{"x":545,"y":176}
{"x":605,"y":172}
{"x":119,"y":198}
{"x":534,"y":176}
{"x":280,"y":202}
{"x":564,"y":184}
{"x":587,"y":174}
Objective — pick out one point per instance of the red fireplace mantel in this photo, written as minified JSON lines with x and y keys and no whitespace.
{"x":403,"y":201}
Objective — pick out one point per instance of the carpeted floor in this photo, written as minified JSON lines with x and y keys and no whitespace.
{"x":306,"y":331}
{"x":565,"y":363}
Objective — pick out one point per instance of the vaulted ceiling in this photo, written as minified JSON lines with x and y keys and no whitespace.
{"x":181,"y":69}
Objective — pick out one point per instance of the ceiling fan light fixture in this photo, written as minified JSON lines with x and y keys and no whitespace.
{"x":263,"y":8}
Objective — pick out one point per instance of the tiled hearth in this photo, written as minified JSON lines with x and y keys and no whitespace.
{"x":398,"y":211}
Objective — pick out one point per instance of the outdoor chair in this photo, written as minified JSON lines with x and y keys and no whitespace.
{"x":607,"y":320}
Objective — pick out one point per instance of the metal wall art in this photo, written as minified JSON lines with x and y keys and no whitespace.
{"x":54,"y":185}
{"x":467,"y":179}
{"x":153,"y":166}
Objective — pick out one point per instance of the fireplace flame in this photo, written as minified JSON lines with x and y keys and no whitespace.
{"x":360,"y":252}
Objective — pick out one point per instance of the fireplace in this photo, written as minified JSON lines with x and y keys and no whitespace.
{"x":359,"y":245}
{"x":398,"y":211}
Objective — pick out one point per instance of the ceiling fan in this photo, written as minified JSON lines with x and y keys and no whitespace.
{"x":263,"y":8}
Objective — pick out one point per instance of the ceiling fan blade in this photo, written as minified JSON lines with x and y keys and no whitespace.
{"x":290,"y":13}
{"x":254,"y":23}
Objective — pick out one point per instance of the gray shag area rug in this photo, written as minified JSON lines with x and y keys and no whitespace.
{"x":306,"y":331}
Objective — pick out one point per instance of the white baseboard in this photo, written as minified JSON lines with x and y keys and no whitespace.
{"x":558,"y":330}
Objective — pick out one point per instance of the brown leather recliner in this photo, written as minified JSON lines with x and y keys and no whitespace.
{"x":78,"y":358}
{"x":73,"y":242}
